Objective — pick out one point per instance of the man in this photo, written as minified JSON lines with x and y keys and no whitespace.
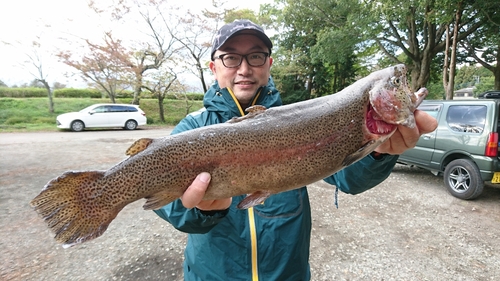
{"x":269,"y":241}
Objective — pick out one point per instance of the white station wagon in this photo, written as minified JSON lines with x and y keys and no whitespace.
{"x":127,"y":116}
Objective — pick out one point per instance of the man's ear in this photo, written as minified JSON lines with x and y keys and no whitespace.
{"x":270,"y":61}
{"x":211,"y":65}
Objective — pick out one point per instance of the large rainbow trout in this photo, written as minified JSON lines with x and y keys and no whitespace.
{"x":260,"y":154}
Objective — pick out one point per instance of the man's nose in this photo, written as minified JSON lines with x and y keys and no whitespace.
{"x":244,"y":68}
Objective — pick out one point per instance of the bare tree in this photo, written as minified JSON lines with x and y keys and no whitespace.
{"x":151,"y":57}
{"x":37,"y":70}
{"x":103,"y":65}
{"x":162,"y":82}
{"x":195,"y":33}
{"x":148,"y":54}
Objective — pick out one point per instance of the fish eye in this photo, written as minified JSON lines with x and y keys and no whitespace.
{"x":395,"y":81}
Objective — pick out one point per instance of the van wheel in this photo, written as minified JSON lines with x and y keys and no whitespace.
{"x":130,"y":125}
{"x":463,"y":179}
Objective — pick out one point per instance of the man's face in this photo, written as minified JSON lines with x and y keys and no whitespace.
{"x":244,"y":80}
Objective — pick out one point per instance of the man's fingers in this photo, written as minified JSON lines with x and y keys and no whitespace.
{"x":195,"y":192}
{"x":425,"y":122}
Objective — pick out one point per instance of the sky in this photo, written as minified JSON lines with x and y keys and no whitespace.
{"x":25,"y":21}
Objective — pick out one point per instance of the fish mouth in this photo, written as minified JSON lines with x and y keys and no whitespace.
{"x":375,"y":124}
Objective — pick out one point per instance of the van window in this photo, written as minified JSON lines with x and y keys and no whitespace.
{"x":467,"y":118}
{"x":431,"y":109}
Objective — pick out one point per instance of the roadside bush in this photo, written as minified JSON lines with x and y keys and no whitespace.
{"x":44,"y":120}
{"x":78,"y":93}
{"x":126,"y":95}
{"x":190,"y":96}
{"x":22,"y":92}
{"x":17,"y":120}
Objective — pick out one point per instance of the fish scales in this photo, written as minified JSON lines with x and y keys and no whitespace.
{"x":266,"y":152}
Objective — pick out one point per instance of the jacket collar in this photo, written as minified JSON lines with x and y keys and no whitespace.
{"x":222,"y":100}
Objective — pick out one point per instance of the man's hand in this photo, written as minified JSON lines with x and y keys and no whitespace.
{"x":193,"y":196}
{"x":405,"y":138}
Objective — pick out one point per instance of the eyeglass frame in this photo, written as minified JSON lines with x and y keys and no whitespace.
{"x":221,"y":57}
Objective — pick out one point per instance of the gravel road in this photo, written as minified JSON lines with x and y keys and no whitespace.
{"x":407,"y":228}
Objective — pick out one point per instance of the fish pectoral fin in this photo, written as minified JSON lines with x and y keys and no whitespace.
{"x":159,"y":199}
{"x":254,"y":199}
{"x":138,"y":146}
{"x":360,"y":153}
{"x":252,"y":112}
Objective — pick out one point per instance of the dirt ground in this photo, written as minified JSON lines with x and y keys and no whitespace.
{"x":408,"y":228}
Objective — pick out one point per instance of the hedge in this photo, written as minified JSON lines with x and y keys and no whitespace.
{"x":22,"y":92}
{"x":78,"y":93}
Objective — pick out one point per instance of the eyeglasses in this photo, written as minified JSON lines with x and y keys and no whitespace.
{"x":231,"y":60}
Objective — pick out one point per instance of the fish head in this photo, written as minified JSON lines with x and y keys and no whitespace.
{"x":391,"y":100}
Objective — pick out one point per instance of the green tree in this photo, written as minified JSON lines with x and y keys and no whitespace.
{"x":315,"y":56}
{"x":483,"y":46}
{"x":417,"y":28}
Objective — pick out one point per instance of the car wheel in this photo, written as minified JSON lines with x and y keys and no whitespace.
{"x":463,"y":179}
{"x":130,"y":125}
{"x":77,"y":126}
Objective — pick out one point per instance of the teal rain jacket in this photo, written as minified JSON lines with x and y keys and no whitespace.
{"x":269,"y":241}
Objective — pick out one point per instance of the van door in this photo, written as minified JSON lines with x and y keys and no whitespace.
{"x":424,"y":149}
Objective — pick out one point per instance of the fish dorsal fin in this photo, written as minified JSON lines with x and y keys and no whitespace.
{"x":252,"y":112}
{"x":138,"y":146}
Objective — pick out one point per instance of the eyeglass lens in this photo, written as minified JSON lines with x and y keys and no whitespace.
{"x":234,"y":60}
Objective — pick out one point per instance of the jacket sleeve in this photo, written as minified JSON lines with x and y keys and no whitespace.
{"x":364,"y":174}
{"x":189,"y":220}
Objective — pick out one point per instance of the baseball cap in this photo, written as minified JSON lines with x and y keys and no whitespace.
{"x":239,"y":26}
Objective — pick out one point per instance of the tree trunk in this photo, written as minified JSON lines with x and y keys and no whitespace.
{"x":49,"y":94}
{"x":451,"y":63}
{"x":446,"y":65}
{"x":202,"y":77}
{"x":137,"y":90}
{"x":160,"y":107}
{"x":496,"y":70}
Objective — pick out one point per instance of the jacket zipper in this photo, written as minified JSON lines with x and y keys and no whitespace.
{"x":253,"y":239}
{"x":251,"y":214}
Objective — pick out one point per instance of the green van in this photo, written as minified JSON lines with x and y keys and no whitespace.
{"x":463,"y":148}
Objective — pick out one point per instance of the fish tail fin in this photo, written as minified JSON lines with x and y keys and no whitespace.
{"x":71,"y":206}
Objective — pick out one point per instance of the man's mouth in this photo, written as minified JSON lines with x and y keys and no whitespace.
{"x":244,"y":83}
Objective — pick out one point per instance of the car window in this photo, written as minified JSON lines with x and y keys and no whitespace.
{"x":100,"y":109}
{"x":467,"y":118}
{"x":122,"y":108}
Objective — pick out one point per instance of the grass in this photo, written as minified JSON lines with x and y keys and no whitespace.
{"x":32,"y":114}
